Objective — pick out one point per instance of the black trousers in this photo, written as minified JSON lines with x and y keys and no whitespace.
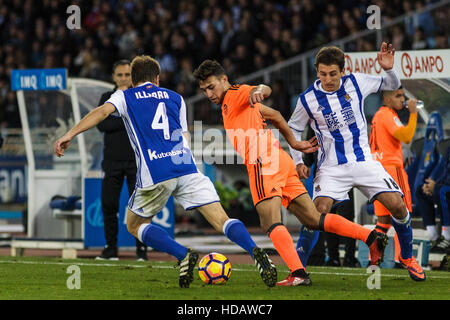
{"x":425,"y":206}
{"x":115,"y":173}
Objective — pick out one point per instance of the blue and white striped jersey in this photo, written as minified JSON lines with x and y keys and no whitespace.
{"x":337,"y":119}
{"x":155,"y":119}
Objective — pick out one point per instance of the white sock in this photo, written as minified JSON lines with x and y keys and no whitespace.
{"x":446,"y":232}
{"x":432,"y":233}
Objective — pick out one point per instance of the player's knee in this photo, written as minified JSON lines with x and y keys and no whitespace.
{"x":322,"y":208}
{"x":133,"y":224}
{"x":132,"y":229}
{"x":398,"y":208}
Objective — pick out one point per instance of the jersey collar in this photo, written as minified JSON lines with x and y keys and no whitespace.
{"x":146,"y":83}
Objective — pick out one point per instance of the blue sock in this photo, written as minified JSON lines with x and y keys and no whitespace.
{"x":405,"y":236}
{"x":236,"y":231}
{"x":158,"y":238}
{"x":305,"y":244}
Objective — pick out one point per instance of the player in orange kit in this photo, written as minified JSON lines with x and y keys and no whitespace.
{"x":273,"y":178}
{"x":386,"y":137}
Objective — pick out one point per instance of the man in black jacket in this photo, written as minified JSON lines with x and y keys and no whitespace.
{"x":118,"y":163}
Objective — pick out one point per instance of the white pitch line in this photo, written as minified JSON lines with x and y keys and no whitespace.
{"x":363,"y":274}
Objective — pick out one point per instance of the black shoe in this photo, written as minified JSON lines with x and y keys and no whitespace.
{"x":265,"y":266}
{"x":108,"y":253}
{"x":187,"y":266}
{"x":141,"y":253}
{"x":351,"y":262}
{"x":441,"y":245}
{"x":376,"y":242}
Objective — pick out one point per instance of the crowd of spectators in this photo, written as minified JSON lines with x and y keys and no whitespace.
{"x":244,"y":35}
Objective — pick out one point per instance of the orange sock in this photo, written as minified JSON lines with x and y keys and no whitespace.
{"x":339,"y":225}
{"x":283,"y":243}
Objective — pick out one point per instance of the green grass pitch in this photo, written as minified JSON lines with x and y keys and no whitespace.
{"x":41,"y":278}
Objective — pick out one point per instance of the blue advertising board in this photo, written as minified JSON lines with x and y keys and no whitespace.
{"x":13,"y":179}
{"x":94,"y":235}
{"x":39,"y":79}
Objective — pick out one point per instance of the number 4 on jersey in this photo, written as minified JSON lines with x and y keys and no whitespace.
{"x":160,"y":121}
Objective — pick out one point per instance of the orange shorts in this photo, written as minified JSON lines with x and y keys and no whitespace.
{"x":401,"y":177}
{"x":275,"y":179}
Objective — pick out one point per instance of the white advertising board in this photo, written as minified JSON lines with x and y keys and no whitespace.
{"x":412,"y":64}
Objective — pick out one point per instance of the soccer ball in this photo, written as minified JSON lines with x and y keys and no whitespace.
{"x":214,"y":268}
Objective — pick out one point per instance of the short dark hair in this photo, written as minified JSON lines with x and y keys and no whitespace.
{"x":329,"y":56}
{"x":208,"y":68}
{"x":387,"y":93}
{"x":144,"y":68}
{"x":123,"y":62}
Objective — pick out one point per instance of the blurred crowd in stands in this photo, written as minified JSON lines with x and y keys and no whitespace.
{"x":244,"y":35}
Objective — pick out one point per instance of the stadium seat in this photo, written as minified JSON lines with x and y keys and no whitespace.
{"x":443,"y":147}
{"x":429,"y":156}
{"x":66,"y":203}
{"x":439,"y":169}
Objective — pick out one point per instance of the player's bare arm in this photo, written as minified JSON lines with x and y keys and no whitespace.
{"x":258,"y":94}
{"x":90,"y":120}
{"x":275,"y":117}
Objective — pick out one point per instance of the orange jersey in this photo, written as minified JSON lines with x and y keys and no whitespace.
{"x":384,"y":146}
{"x":245,"y":126}
{"x":271,"y":171}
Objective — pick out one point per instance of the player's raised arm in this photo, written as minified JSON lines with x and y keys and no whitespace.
{"x":90,"y":120}
{"x":258,"y":94}
{"x":386,"y":56}
{"x":275,"y":117}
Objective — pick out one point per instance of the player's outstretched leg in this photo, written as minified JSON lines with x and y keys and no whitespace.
{"x":305,"y":210}
{"x":236,"y":231}
{"x":270,"y":219}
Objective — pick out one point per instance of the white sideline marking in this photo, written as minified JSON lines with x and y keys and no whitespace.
{"x":362,"y":274}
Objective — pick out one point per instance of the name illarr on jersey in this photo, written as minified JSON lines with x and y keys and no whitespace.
{"x":154,"y":94}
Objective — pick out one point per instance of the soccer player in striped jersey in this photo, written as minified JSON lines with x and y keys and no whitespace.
{"x":333,"y":106}
{"x":155,"y":120}
{"x":272,"y":173}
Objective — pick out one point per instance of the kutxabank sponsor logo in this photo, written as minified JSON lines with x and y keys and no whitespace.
{"x":173,"y":153}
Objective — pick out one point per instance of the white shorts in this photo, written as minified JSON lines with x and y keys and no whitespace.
{"x":191,"y":191}
{"x":368,"y":176}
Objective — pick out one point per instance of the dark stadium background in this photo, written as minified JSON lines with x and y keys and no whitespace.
{"x":244,"y":35}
